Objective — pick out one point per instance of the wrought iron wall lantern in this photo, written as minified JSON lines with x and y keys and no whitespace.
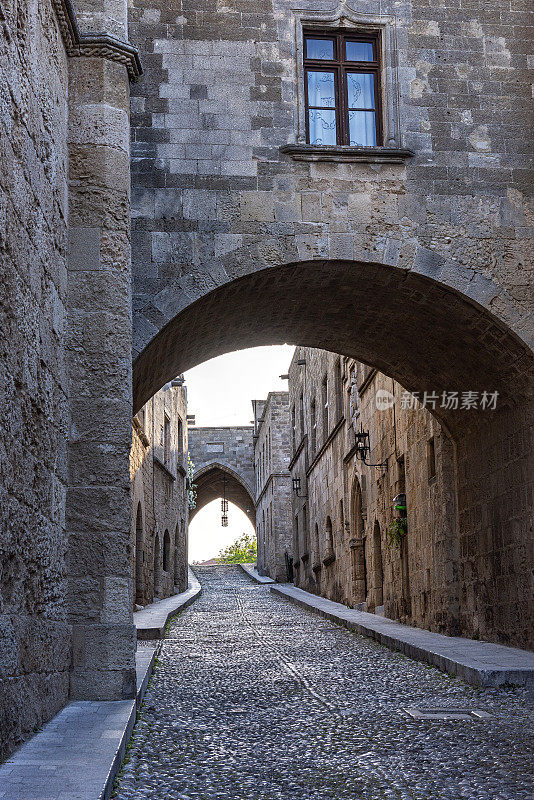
{"x":363,"y":448}
{"x":296,"y":487}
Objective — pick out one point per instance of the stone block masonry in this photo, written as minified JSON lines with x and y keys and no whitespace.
{"x":242,"y":240}
{"x":34,"y":413}
{"x":273,"y":484}
{"x":159,"y":502}
{"x":65,"y":604}
{"x":224,"y":465}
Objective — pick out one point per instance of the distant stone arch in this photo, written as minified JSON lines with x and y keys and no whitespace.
{"x":214,"y":478}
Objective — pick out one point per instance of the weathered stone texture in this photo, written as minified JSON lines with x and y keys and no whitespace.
{"x":439,"y":577}
{"x":273,"y":484}
{"x":223,"y":459}
{"x":214,"y":198}
{"x":158,"y":474}
{"x":419,"y":267}
{"x":34,"y":634}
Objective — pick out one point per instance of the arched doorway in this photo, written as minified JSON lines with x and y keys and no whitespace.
{"x":378,"y":570}
{"x":139,"y":556}
{"x":157,"y":566}
{"x":316,"y":558}
{"x":180,"y":557}
{"x":357,"y":546}
{"x":330,"y":554}
{"x":166,"y":551}
{"x":370,"y":311}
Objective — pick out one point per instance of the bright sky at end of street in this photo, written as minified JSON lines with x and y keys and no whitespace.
{"x":207,"y":537}
{"x":220,"y":391}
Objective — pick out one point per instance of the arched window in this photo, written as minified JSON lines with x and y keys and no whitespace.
{"x":166,"y":551}
{"x":139,"y":555}
{"x":330,"y":554}
{"x":316,"y":555}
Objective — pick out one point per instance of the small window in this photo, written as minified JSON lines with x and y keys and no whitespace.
{"x":180,"y":436}
{"x":293,"y":429}
{"x":342,"y":89}
{"x":313,"y":427}
{"x":167,"y":440}
{"x":326,"y":409}
{"x":431,"y":459}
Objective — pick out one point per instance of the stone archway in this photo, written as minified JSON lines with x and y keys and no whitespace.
{"x":215,"y":478}
{"x":427,"y":336}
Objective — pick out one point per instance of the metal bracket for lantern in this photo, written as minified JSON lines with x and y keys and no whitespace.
{"x":363,"y":448}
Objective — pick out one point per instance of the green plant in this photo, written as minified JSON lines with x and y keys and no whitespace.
{"x":191,"y":486}
{"x":396,"y":531}
{"x":243,"y":551}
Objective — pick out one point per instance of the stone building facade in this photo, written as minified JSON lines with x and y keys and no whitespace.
{"x":342,"y":514}
{"x":412,"y":256}
{"x":273,"y":484}
{"x":223,"y":459}
{"x":158,"y":471}
{"x":66,"y":627}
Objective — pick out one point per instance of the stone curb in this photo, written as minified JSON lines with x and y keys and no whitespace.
{"x":79,"y":753}
{"x":477,"y":663}
{"x":255,"y":575}
{"x":151,"y":621}
{"x":144,"y":666}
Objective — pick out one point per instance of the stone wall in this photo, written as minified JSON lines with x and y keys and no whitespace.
{"x":214,"y":198}
{"x":413,"y":263}
{"x":341,"y":546}
{"x":34,"y":415}
{"x":225,"y":446}
{"x":273,"y":484}
{"x":158,"y":473}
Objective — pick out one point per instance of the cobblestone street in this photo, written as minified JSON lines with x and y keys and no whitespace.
{"x":254,"y":698}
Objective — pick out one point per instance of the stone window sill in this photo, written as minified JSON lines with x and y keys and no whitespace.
{"x":346,"y":154}
{"x":164,"y":468}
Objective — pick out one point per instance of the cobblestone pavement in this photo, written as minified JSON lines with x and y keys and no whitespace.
{"x":255,"y":698}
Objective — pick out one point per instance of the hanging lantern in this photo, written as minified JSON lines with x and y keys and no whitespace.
{"x":224,"y":505}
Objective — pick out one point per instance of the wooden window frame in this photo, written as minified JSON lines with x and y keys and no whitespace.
{"x":341,"y":68}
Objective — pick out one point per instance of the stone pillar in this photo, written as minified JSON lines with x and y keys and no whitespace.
{"x":99,"y":365}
